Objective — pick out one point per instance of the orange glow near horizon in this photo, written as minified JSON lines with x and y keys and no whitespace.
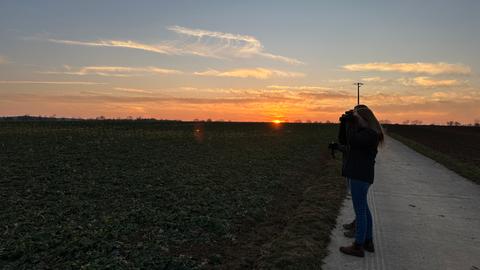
{"x":395,"y":110}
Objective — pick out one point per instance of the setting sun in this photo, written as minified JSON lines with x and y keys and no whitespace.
{"x":276,"y":121}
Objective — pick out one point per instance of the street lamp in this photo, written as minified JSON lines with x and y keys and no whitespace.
{"x":358,"y":84}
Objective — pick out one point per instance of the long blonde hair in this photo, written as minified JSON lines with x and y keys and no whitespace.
{"x":371,"y":120}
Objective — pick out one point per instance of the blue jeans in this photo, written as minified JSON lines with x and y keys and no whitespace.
{"x":363,"y":217}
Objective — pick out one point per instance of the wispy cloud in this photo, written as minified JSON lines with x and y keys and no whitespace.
{"x":427,"y":82}
{"x":463,"y":95}
{"x":299,"y":87}
{"x":374,"y":79}
{"x":159,"y":48}
{"x":50,"y":82}
{"x":426,"y":68}
{"x":258,"y":73}
{"x":3,"y":59}
{"x":201,"y":43}
{"x":321,"y":95}
{"x":230,"y":44}
{"x":98,"y":98}
{"x":188,"y":88}
{"x":133,"y":90}
{"x":341,"y":80}
{"x":113,"y":71}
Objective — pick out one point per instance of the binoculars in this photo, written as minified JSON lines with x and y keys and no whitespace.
{"x":347,"y":116}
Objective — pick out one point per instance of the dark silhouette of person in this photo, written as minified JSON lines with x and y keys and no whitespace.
{"x":359,"y":136}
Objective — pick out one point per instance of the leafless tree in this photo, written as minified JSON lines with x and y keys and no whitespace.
{"x":416,"y":122}
{"x":453,"y":123}
{"x":476,"y":122}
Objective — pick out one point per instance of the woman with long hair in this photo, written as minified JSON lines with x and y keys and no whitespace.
{"x":360,"y":134}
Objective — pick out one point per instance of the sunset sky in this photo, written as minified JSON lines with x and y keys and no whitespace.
{"x":241,"y":60}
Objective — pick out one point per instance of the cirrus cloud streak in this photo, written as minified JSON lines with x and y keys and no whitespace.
{"x":428,"y":82}
{"x":199,"y":42}
{"x":51,"y":82}
{"x":419,"y":67}
{"x":257,"y":73}
{"x":113,"y":71}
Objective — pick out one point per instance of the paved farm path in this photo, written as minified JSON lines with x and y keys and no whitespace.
{"x":425,"y":217}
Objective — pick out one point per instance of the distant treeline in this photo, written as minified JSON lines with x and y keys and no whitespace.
{"x":99,"y":118}
{"x":103,"y":118}
{"x":19,"y":118}
{"x":476,"y":123}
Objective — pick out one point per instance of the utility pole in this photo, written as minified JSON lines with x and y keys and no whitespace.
{"x":358,"y":84}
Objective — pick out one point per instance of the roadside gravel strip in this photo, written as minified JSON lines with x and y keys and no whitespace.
{"x":425,"y":216}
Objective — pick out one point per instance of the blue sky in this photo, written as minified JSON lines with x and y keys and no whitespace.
{"x":240,"y":60}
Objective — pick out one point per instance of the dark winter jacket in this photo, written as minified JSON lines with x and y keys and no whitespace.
{"x":359,"y":147}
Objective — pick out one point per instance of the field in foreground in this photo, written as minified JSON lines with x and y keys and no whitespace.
{"x":156,"y":195}
{"x":456,"y":147}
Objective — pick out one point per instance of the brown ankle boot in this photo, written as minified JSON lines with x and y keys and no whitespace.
{"x":354,"y":250}
{"x":368,"y":246}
